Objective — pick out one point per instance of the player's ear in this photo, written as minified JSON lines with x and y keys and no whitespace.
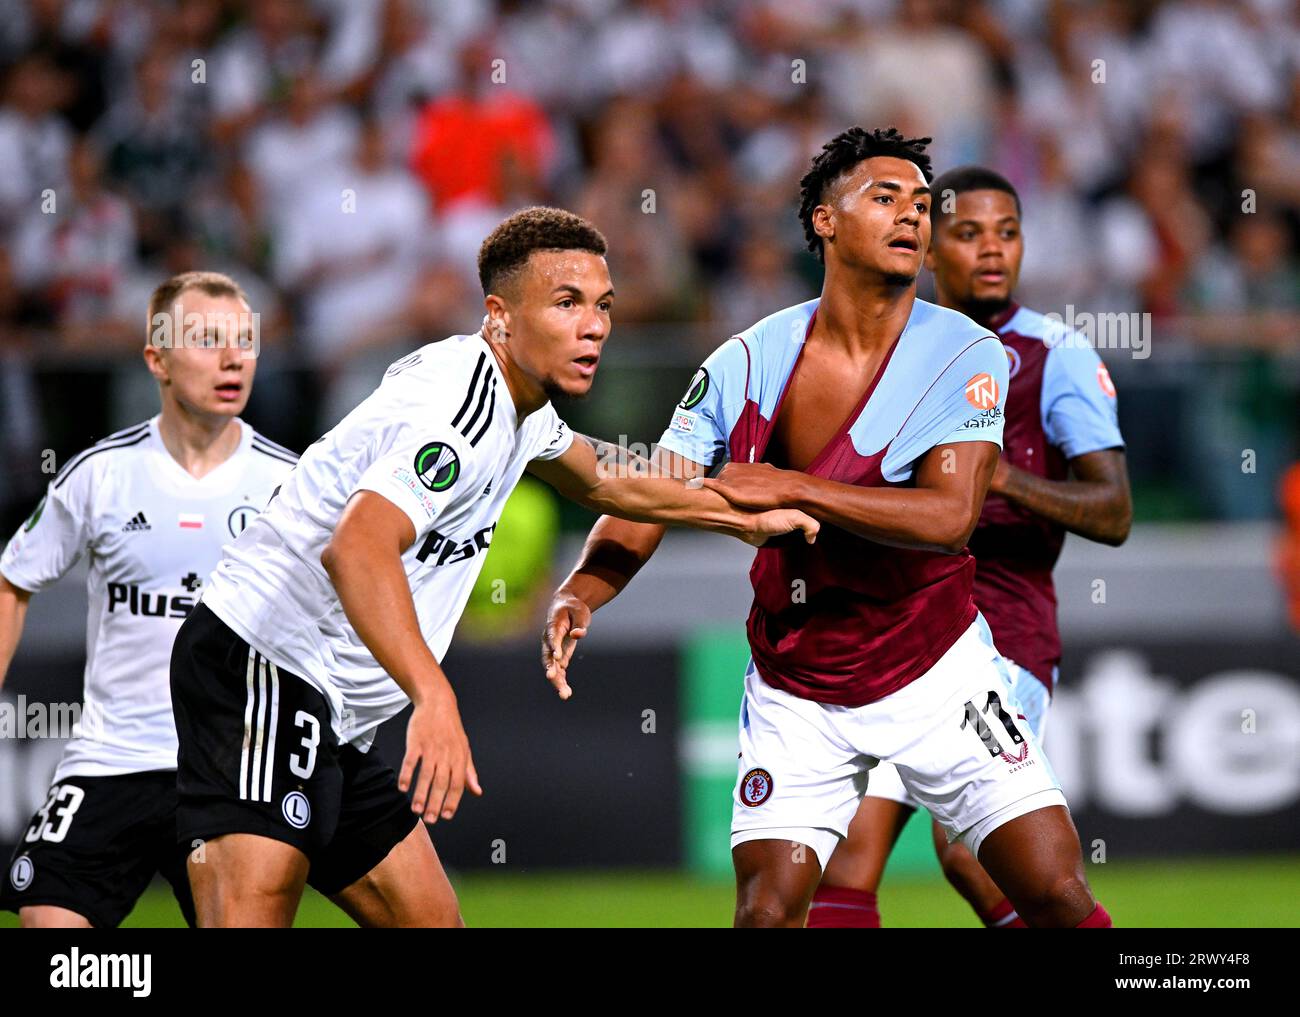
{"x":496,"y":322}
{"x":823,"y":221}
{"x":156,"y":361}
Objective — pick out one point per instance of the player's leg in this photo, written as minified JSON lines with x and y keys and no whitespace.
{"x":408,"y":889}
{"x":846,"y":897}
{"x":258,"y":778}
{"x":47,"y":916}
{"x":962,"y":870}
{"x":242,"y":880}
{"x":85,"y":858}
{"x":381,"y":867}
{"x":965,"y":874}
{"x":976,"y":766}
{"x":775,"y":880}
{"x":799,"y":786}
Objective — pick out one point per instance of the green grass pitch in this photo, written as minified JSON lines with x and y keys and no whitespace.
{"x":1238,"y":892}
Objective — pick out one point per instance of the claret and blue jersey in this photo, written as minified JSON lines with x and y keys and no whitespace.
{"x":1061,"y":405}
{"x":847,"y":621}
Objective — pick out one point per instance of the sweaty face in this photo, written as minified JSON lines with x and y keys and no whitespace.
{"x":557,"y":314}
{"x":977,"y":250}
{"x":877,"y":216}
{"x":200,"y":351}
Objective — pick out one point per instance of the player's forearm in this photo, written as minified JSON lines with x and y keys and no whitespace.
{"x":376,"y":597}
{"x":13,"y":614}
{"x":909,"y":517}
{"x":613,"y":553}
{"x":1098,"y":510}
{"x":669,"y":503}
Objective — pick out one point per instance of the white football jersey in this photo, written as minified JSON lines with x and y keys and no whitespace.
{"x":440,"y":439}
{"x":153,"y":533}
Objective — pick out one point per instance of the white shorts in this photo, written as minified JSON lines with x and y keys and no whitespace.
{"x":1032,"y":700}
{"x":952,"y":735}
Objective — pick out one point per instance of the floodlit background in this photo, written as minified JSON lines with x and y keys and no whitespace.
{"x":343,"y":159}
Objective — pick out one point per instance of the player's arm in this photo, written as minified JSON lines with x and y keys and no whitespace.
{"x":13,"y":613}
{"x":608,"y":479}
{"x":613,"y":553}
{"x":1094,"y":503}
{"x":364,"y":562}
{"x":938,"y":514}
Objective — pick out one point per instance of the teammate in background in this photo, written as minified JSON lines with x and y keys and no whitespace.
{"x":333,"y":609}
{"x":1062,"y":468}
{"x":881,"y":416}
{"x":151,"y":507}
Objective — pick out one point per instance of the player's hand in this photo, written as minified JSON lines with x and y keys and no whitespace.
{"x":436,"y":743}
{"x":775,"y":523}
{"x":566,"y":622}
{"x":755,"y":487}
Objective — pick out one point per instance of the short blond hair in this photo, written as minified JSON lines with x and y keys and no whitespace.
{"x":214,"y":284}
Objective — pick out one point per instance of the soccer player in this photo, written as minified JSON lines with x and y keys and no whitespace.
{"x":881,"y":416}
{"x":150,"y":507}
{"x":334,"y":608}
{"x":1062,"y":469}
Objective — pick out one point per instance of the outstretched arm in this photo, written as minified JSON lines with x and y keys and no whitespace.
{"x":938,"y":513}
{"x":607,"y":478}
{"x":1095,"y":503}
{"x":613,"y":553}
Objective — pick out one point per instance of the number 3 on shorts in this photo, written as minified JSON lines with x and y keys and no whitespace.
{"x":53,"y":829}
{"x":310,"y":740}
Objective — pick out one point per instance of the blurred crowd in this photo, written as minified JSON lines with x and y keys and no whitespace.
{"x":344,"y":158}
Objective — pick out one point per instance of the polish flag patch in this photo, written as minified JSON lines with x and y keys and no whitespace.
{"x":191,"y":521}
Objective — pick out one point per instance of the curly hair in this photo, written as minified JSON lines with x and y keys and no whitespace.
{"x":841,"y":154}
{"x":508,"y":247}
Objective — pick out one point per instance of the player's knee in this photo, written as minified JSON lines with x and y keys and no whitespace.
{"x":1061,"y":902}
{"x":960,"y":868}
{"x":761,"y":907}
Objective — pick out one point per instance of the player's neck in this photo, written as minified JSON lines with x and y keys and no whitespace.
{"x":525,"y":392}
{"x":862,"y":314}
{"x":199,"y":442}
{"x":986,"y":313}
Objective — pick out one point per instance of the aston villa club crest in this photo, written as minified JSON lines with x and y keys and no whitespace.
{"x":756,"y":787}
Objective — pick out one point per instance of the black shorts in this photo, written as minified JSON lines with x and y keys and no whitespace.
{"x":258,"y":755}
{"x":95,"y":845}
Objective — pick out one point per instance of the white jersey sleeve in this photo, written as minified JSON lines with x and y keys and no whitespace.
{"x":554,"y":435}
{"x":416,"y":467}
{"x":55,"y":536}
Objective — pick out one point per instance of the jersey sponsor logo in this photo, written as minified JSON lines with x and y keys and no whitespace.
{"x":137,"y":524}
{"x":756,"y":787}
{"x":1103,"y":379}
{"x":240,"y":518}
{"x":683,"y":421}
{"x":296,"y":810}
{"x":989,"y":418}
{"x":437,"y":466}
{"x":190,"y":520}
{"x":1013,"y":362}
{"x":450,"y":551}
{"x":982,"y":391}
{"x":698,"y":389}
{"x":191,"y":582}
{"x":147,"y":605}
{"x":21,"y":873}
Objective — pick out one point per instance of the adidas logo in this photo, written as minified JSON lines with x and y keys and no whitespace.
{"x":137,"y":523}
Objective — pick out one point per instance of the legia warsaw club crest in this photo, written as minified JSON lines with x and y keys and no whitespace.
{"x":437,"y":466}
